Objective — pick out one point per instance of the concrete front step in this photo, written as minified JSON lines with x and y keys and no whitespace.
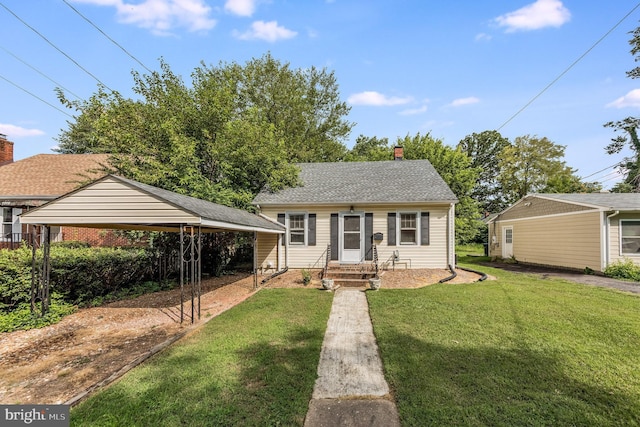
{"x":351,"y":283}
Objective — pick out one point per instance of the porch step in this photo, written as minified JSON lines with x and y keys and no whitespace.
{"x":350,"y":275}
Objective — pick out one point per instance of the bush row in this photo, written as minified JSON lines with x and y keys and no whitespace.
{"x":79,"y":275}
{"x":623,"y":269}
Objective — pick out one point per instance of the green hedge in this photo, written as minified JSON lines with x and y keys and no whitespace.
{"x":78,"y":275}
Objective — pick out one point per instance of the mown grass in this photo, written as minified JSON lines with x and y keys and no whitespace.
{"x":253,"y":365}
{"x":519,"y":350}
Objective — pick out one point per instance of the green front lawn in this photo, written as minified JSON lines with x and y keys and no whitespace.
{"x":515,"y":351}
{"x":252,"y":365}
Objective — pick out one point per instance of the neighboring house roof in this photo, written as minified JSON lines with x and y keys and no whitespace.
{"x":610,"y":201}
{"x":46,"y":176}
{"x":116,"y":207}
{"x":398,"y":181}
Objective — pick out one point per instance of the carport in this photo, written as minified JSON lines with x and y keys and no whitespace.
{"x":114,"y":202}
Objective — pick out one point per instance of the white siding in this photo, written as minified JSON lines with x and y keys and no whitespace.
{"x":614,"y":239}
{"x":433,"y":255}
{"x":109,"y":201}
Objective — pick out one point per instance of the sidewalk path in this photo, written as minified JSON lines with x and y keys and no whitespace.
{"x":350,"y":389}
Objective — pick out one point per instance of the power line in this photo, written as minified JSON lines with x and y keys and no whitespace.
{"x":568,"y":68}
{"x":105,"y":34}
{"x":35,"y":96}
{"x":602,"y":170}
{"x":39,"y":72}
{"x":54,"y":46}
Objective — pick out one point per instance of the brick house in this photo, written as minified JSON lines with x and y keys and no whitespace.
{"x":31,"y":182}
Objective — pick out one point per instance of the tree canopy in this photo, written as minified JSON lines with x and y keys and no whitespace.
{"x":628,"y":137}
{"x":235,"y":131}
{"x":484,"y":150}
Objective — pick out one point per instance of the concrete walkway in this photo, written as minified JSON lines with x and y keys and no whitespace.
{"x":350,"y":389}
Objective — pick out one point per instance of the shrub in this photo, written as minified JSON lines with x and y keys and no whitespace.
{"x":15,"y":277}
{"x":79,"y":275}
{"x":22,"y":318}
{"x":306,"y":277}
{"x":623,"y":269}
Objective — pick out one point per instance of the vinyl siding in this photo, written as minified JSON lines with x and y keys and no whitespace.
{"x":570,"y":241}
{"x":110,"y":201}
{"x":614,"y":239}
{"x":433,"y":255}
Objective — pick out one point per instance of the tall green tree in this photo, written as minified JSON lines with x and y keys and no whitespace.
{"x":484,"y":149}
{"x":234,"y":131}
{"x":369,"y":149}
{"x":628,"y":129}
{"x":531,"y":165}
{"x":456,"y":169}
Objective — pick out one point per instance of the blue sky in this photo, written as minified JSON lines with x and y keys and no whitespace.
{"x":450,"y":68}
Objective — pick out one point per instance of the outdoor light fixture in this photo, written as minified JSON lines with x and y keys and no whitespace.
{"x":351,"y":209}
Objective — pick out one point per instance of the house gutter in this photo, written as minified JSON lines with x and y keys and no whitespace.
{"x":607,"y":243}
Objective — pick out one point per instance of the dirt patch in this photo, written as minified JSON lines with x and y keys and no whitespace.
{"x":55,"y":363}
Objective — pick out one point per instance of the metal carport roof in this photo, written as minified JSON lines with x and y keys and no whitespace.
{"x":114,"y":202}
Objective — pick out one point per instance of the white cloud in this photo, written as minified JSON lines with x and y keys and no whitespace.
{"x":413,"y":111}
{"x":540,"y":14}
{"x":269,"y":31}
{"x":631,"y":99}
{"x":13,"y":131}
{"x":161,"y":16}
{"x":377,"y":99}
{"x":483,"y":37}
{"x":464,"y":101}
{"x":240,"y":7}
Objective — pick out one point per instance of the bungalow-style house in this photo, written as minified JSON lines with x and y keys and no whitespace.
{"x":31,"y":182}
{"x":342,"y":210}
{"x":574,"y":231}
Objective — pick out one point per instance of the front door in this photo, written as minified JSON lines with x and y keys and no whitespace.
{"x":351,"y":238}
{"x":507,"y":242}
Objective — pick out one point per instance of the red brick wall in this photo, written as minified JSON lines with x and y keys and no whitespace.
{"x":6,"y":152}
{"x":93,"y":236}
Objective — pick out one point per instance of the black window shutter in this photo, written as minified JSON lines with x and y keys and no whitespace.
{"x":311,"y":234}
{"x":391,"y":229}
{"x":333,"y":231}
{"x":368,"y":236}
{"x":281,"y":217}
{"x":424,"y":228}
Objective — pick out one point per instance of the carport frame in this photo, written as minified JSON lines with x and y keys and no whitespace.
{"x":202,"y":217}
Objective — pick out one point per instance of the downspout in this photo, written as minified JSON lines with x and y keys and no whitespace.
{"x":452,"y":225}
{"x":607,"y":243}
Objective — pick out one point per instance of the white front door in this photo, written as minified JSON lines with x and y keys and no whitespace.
{"x":351,"y":238}
{"x":507,"y":242}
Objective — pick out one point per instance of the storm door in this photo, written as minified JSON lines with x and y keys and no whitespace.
{"x":352,"y":238}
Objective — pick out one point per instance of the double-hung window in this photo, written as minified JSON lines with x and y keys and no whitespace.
{"x":408,"y":228}
{"x":297,"y":229}
{"x":630,"y":237}
{"x":7,"y":224}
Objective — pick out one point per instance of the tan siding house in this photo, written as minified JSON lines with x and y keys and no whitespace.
{"x":575,"y":231}
{"x":343,"y":210}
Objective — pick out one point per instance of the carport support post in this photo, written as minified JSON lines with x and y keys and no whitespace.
{"x":46,"y":269}
{"x":181,"y":273}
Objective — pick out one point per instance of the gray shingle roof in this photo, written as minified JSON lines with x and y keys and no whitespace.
{"x":206,"y":210}
{"x":613,"y":201}
{"x":363,"y":182}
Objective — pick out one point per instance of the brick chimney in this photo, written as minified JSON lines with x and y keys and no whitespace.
{"x":397,"y":152}
{"x":6,"y":150}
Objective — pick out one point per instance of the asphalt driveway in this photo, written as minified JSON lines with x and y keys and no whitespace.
{"x":587,"y":279}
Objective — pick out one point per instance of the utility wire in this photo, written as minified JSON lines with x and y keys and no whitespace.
{"x":105,"y":34}
{"x":54,"y":46}
{"x":39,"y":72}
{"x":602,"y":170}
{"x":568,"y":68}
{"x":35,"y":96}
